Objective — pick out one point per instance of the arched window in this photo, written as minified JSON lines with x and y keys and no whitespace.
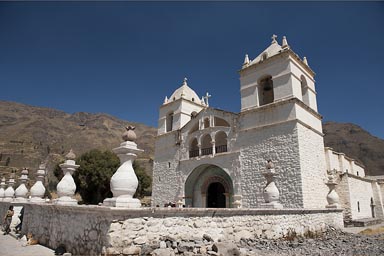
{"x":304,"y":90}
{"x":169,"y":122}
{"x":264,"y":56}
{"x":206,"y":122}
{"x":221,"y":122}
{"x":193,"y":114}
{"x":266,"y":95}
{"x":206,"y":145}
{"x":193,"y":148}
{"x":220,"y":142}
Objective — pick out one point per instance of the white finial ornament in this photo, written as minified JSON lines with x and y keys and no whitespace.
{"x":206,"y":97}
{"x":2,"y":186}
{"x":22,"y":191}
{"x":38,"y":189}
{"x":305,"y":61}
{"x":271,"y":193}
{"x":284,"y":44}
{"x":9,"y":192}
{"x":66,"y":187}
{"x":165,"y":100}
{"x":274,"y":39}
{"x":246,"y":60}
{"x":124,"y":181}
{"x":185,"y":81}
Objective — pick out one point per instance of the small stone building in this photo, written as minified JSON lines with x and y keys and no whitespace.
{"x":209,"y":157}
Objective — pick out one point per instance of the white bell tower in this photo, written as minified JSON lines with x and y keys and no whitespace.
{"x":277,"y":73}
{"x":178,"y":109}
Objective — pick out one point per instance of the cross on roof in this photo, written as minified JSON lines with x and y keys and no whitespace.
{"x":274,"y":38}
{"x":185,"y":80}
{"x":206,"y":97}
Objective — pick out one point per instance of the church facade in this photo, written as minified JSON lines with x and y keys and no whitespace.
{"x":209,"y":157}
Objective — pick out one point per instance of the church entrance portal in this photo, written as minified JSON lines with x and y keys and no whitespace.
{"x":208,"y":186}
{"x":215,"y":195}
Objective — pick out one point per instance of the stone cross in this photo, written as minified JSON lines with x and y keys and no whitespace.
{"x":206,"y":97}
{"x":274,"y":38}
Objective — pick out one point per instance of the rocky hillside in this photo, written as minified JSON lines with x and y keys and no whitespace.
{"x":30,"y":135}
{"x":356,"y":143}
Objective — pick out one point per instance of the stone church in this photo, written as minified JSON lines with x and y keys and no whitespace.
{"x":214,"y":158}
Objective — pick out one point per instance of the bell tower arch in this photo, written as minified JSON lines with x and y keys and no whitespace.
{"x":275,"y":74}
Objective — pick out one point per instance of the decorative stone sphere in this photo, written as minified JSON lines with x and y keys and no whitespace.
{"x":71,"y":155}
{"x":129,"y":134}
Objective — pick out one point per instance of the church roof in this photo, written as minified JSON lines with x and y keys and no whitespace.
{"x":272,"y":50}
{"x":185,"y":92}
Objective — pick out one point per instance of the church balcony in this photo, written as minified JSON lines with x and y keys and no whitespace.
{"x":193,"y":153}
{"x":221,"y":149}
{"x":206,"y":151}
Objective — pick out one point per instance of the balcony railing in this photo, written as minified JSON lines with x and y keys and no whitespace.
{"x":221,"y":149}
{"x":194,"y":153}
{"x":206,"y":151}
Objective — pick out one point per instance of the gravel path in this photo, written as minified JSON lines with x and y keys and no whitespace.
{"x":333,"y":242}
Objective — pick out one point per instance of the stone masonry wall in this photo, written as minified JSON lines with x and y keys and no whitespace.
{"x":165,"y":178}
{"x":342,"y":190}
{"x":93,"y":230}
{"x":360,"y":194}
{"x":313,"y":167}
{"x":279,"y":143}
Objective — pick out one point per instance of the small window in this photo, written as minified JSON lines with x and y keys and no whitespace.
{"x":266,"y":94}
{"x":358,"y":206}
{"x":206,"y":122}
{"x":264,"y":56}
{"x":357,"y":173}
{"x":193,"y":99}
{"x":169,"y":164}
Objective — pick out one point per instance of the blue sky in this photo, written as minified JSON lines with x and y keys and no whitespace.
{"x":123,"y":58}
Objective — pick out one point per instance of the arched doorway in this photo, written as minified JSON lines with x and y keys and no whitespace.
{"x":216,"y":195}
{"x":208,"y":186}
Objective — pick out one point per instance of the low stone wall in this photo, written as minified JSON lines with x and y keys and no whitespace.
{"x":93,"y":230}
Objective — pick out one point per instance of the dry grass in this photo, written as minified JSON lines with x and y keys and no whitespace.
{"x":370,"y":231}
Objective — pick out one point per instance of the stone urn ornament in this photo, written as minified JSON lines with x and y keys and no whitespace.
{"x":66,"y":187}
{"x":271,"y":193}
{"x":332,"y":196}
{"x":38,"y":189}
{"x":124,"y":181}
{"x":22,"y":191}
{"x":2,"y":187}
{"x":9,"y":193}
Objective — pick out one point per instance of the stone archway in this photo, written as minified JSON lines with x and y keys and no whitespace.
{"x":208,"y":186}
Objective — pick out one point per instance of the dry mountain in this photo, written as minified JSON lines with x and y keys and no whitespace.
{"x":30,"y":135}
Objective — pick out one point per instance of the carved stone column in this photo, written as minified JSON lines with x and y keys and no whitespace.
{"x":332,"y":196}
{"x":9,"y":193}
{"x":124,"y":182}
{"x":2,"y":189}
{"x":38,"y":189}
{"x":67,"y":187}
{"x":22,"y":191}
{"x":271,"y":194}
